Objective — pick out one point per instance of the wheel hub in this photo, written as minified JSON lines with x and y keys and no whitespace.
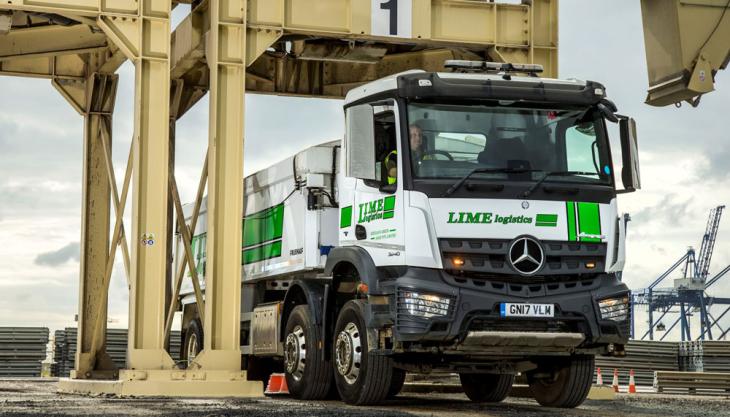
{"x":348,"y":353}
{"x":295,"y":352}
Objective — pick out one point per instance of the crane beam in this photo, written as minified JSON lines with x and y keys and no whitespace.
{"x":668,"y":271}
{"x":717,"y":277}
{"x":51,"y":40}
{"x":708,"y":243}
{"x":334,"y":47}
{"x":686,"y":44}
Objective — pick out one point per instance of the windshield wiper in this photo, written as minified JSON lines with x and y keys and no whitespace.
{"x":461,"y":182}
{"x":556,"y":174}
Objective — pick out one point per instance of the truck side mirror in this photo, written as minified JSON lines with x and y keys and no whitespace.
{"x":360,"y":143}
{"x":630,"y":174}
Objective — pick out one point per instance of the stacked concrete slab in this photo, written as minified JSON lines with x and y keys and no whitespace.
{"x":22,"y":349}
{"x":644,"y":357}
{"x":116,"y":347}
{"x":705,"y":356}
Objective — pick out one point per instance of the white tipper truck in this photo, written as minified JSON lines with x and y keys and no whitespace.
{"x":466,"y":223}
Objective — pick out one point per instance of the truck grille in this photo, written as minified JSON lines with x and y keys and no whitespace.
{"x":487,"y":259}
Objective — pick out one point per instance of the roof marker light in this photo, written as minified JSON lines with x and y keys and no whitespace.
{"x":493,"y":67}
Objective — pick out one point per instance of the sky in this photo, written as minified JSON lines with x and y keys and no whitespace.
{"x":683,"y":158}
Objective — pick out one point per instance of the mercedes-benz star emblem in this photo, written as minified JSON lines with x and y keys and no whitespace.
{"x":526,"y":256}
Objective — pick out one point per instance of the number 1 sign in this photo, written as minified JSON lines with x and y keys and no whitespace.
{"x":392,"y":18}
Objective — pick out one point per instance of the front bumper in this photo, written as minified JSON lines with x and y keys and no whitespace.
{"x":474,"y":311}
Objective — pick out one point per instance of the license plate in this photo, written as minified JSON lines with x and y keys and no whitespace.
{"x":526,"y":310}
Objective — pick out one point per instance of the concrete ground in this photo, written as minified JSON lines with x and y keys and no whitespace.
{"x":20,"y":398}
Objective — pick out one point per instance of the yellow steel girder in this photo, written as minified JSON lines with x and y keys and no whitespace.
{"x":50,"y":40}
{"x":687,"y":42}
{"x":518,"y":33}
{"x":97,"y":105}
{"x":498,"y":31}
{"x":225,"y":185}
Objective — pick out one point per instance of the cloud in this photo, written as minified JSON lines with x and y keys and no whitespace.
{"x":667,"y":211}
{"x":59,"y":257}
{"x":33,"y":197}
{"x":716,"y":168}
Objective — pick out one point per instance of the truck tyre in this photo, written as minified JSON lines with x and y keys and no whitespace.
{"x":486,"y":388}
{"x":569,"y":385}
{"x":397,"y":382}
{"x":193,"y":342}
{"x":362,"y":378}
{"x":308,"y":372}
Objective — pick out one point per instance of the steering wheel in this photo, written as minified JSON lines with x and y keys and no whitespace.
{"x":438,"y":152}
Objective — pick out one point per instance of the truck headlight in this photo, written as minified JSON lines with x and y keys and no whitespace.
{"x":424,"y":305}
{"x":615,"y":309}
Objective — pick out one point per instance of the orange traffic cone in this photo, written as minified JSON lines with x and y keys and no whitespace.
{"x":277,"y":385}
{"x":615,"y":380}
{"x":599,"y":377}
{"x":632,"y":383}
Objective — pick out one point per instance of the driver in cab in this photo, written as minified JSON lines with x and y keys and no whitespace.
{"x":415,"y":133}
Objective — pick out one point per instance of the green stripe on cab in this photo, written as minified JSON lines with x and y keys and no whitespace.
{"x":570,"y":215}
{"x":589,"y":219}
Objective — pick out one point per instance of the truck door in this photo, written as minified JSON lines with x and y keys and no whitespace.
{"x":372,"y":195}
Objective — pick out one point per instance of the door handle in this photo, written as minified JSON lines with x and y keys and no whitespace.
{"x":360,"y":232}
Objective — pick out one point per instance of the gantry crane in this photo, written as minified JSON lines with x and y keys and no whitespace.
{"x":688,"y":293}
{"x":313,"y":48}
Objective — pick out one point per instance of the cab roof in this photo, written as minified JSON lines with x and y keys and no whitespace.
{"x":418,"y":84}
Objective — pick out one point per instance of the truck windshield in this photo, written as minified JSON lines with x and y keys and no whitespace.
{"x":451,"y":140}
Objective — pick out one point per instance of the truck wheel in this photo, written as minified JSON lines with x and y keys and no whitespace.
{"x":308,"y":372}
{"x":362,"y":378}
{"x":486,"y":388}
{"x":397,"y":382}
{"x":569,"y":385}
{"x":193,"y":343}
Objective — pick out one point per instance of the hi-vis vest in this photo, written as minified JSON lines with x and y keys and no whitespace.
{"x":391,"y":180}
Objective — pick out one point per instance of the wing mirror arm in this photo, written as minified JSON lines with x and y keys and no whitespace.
{"x":608,"y":109}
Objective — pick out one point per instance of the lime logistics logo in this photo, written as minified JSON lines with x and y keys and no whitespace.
{"x":462,"y":217}
{"x":380,"y":209}
{"x":546,"y":220}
